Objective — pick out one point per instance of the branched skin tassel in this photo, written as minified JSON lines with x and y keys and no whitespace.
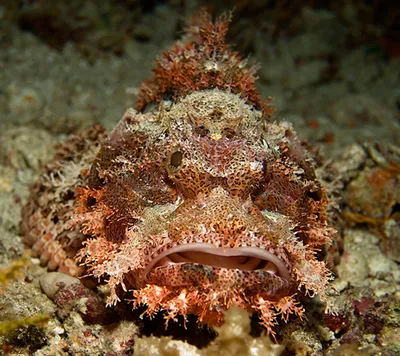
{"x":195,"y":201}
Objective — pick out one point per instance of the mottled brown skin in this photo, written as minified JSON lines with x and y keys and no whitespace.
{"x":193,"y":204}
{"x":47,"y":216}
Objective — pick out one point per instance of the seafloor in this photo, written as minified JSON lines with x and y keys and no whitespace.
{"x":340,"y":91}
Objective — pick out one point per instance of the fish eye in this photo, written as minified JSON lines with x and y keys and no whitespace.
{"x":176,"y":159}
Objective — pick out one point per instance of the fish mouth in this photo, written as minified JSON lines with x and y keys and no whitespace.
{"x":243,"y":258}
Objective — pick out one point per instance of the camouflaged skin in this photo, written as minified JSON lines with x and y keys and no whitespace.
{"x":194,"y":202}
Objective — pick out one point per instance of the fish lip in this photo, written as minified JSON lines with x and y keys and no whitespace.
{"x":208,"y":248}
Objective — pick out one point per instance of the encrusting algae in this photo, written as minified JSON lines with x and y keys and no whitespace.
{"x":8,"y":274}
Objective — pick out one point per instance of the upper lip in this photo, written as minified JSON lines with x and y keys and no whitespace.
{"x":244,"y":258}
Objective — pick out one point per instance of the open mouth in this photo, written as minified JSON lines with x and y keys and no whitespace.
{"x":242,"y":258}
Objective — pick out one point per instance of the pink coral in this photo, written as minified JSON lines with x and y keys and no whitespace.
{"x":191,"y":205}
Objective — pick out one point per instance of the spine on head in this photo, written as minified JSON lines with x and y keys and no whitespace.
{"x":202,"y":60}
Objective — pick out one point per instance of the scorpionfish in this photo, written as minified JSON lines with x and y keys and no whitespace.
{"x":197,"y":200}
